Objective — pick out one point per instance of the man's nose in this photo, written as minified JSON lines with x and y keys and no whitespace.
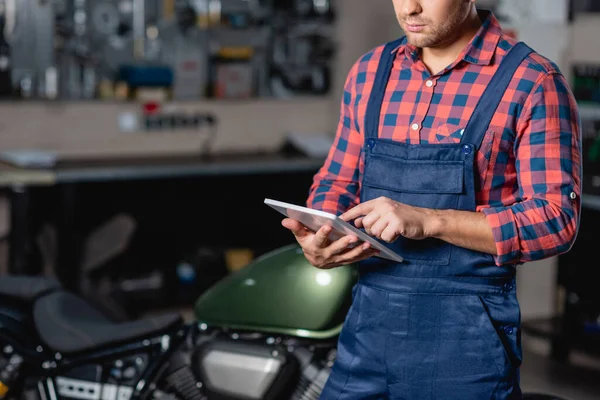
{"x":411,"y":7}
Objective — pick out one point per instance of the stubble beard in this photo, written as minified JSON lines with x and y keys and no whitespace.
{"x":436,"y":36}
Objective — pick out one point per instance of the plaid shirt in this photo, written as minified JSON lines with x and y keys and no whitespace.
{"x":529,"y":163}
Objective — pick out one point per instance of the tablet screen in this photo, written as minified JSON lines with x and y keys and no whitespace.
{"x":315,"y":219}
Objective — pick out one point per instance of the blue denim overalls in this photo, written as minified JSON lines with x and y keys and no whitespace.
{"x":444,"y":324}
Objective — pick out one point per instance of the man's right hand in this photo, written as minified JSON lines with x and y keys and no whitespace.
{"x":323,"y":253}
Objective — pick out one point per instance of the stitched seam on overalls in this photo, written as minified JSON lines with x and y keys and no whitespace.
{"x":385,"y":348}
{"x":354,"y":333}
{"x":407,"y":321}
{"x":421,"y":191}
{"x":453,"y":277}
{"x":465,"y":293}
{"x":437,"y":350}
{"x":495,"y":390}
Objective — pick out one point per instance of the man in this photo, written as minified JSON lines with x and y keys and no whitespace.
{"x":461,"y":149}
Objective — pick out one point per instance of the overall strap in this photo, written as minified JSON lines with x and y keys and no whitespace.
{"x":378,"y":92}
{"x":491,"y":97}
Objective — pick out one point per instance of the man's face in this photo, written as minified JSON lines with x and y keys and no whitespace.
{"x":431,"y":23}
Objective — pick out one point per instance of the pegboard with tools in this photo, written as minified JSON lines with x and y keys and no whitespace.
{"x":165,"y":49}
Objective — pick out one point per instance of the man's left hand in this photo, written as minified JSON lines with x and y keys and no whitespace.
{"x":387,"y":219}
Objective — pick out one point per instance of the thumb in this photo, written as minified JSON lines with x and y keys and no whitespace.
{"x":296,"y":227}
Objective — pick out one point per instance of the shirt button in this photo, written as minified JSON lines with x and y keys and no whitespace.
{"x":429,"y":83}
{"x":462,"y":131}
{"x":415,"y":127}
{"x":573,"y":195}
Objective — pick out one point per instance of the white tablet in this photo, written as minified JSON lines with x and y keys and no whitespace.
{"x":315,"y":219}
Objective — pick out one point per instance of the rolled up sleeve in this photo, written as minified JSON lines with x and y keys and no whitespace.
{"x":545,"y":220}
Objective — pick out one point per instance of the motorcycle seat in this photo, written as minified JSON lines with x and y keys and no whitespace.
{"x":68,"y":324}
{"x":27,"y":288}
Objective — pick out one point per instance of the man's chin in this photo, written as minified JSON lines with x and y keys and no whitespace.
{"x":416,"y":40}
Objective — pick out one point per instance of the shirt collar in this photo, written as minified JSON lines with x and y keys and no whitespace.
{"x":481,"y":48}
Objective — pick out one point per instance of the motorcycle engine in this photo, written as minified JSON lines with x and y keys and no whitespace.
{"x":235,"y":370}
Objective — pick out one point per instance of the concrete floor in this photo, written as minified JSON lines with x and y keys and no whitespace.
{"x":579,"y":380}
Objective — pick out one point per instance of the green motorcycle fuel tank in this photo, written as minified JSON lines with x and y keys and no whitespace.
{"x":281,"y":293}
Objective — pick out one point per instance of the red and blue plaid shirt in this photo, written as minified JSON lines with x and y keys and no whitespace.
{"x":529,"y":162}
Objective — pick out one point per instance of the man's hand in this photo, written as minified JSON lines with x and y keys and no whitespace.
{"x":323,"y":253}
{"x":387,"y":219}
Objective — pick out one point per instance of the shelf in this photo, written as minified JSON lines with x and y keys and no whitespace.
{"x":591,"y":201}
{"x":550,"y":329}
{"x":546,"y":328}
{"x":589,"y":111}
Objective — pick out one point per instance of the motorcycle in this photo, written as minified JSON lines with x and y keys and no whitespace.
{"x":266,"y":332}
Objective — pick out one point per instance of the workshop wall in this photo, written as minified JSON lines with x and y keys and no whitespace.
{"x":92,"y":128}
{"x":571,"y":44}
{"x":536,"y":281}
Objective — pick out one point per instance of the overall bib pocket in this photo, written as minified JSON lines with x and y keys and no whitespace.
{"x":407,"y":181}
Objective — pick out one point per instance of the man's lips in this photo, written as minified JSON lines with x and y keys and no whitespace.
{"x":415,"y":27}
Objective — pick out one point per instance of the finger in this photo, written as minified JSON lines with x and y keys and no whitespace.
{"x":296,"y":227}
{"x":358,"y":222}
{"x":358,"y":211}
{"x":389,"y":234}
{"x":367,"y":254}
{"x":358,"y":253}
{"x":321,"y":238}
{"x":369,"y":220}
{"x":378,"y":227}
{"x":342,"y":245}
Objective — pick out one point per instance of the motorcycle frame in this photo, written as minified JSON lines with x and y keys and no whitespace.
{"x":42,"y":362}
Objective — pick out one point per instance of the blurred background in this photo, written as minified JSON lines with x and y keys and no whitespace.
{"x":130,"y":131}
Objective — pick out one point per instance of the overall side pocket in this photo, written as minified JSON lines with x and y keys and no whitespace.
{"x":502,"y":336}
